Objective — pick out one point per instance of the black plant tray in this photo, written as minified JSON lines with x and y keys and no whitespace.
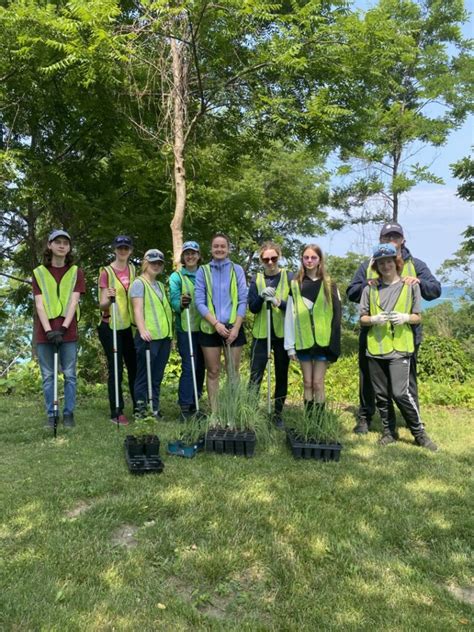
{"x":311,"y":449}
{"x":233,"y":442}
{"x":142,"y":454}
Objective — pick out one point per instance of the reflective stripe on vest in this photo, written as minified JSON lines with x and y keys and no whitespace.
{"x":187,"y":287}
{"x":124,"y":318}
{"x":156,"y":312}
{"x":383,"y":339}
{"x":312,"y":326}
{"x":56,"y":297}
{"x":206,"y":327}
{"x":259,"y":329}
{"x":408,"y":270}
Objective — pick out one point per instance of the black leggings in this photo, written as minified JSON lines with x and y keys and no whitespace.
{"x":258,"y":363}
{"x":125,"y":352}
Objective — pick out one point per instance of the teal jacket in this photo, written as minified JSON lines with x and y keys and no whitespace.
{"x":175,"y":293}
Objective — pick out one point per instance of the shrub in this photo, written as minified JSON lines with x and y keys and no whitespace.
{"x":443,"y":360}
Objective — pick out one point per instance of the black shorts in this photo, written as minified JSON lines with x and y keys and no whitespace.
{"x":214,"y":340}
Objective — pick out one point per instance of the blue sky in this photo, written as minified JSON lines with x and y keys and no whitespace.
{"x":432,"y":216}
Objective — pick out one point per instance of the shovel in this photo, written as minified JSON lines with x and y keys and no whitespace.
{"x":55,"y":389}
{"x":148,"y":377}
{"x":269,"y":357}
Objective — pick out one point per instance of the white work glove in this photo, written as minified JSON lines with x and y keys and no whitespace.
{"x":398,"y":318}
{"x":267,"y":292}
{"x":379,"y":319}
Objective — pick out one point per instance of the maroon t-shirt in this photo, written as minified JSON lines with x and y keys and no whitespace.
{"x":71,"y":334}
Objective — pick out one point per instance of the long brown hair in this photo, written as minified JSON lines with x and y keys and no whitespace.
{"x":320,"y":271}
{"x":48,"y":257}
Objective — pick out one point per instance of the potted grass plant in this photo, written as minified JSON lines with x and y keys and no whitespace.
{"x":315,"y":434}
{"x":191,"y":439}
{"x":238,"y":422}
{"x":142,"y":447}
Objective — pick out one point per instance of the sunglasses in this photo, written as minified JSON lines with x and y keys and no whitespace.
{"x":310,"y":258}
{"x":269,"y":259}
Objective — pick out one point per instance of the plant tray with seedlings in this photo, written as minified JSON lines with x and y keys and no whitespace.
{"x":187,"y":450}
{"x":142,"y":454}
{"x":233,"y":442}
{"x":302,"y":449}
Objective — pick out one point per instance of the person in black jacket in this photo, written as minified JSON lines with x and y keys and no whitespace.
{"x":414,"y":271}
{"x":270,"y":286}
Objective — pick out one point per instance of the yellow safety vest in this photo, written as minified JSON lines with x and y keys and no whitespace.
{"x":187,"y":287}
{"x":259,"y":329}
{"x":206,"y":327}
{"x":383,"y":339}
{"x":408,"y":270}
{"x":312,"y":326}
{"x":124,"y":317}
{"x":156,"y":312}
{"x":56,"y":297}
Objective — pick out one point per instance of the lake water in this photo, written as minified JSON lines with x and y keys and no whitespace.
{"x":448,"y":293}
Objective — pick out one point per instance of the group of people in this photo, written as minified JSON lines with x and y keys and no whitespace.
{"x":208,"y":303}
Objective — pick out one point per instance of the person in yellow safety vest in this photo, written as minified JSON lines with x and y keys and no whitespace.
{"x":221,"y":299}
{"x":154,"y":322}
{"x":181,"y":284}
{"x":115,"y":280}
{"x":313,"y":324}
{"x":388,"y":308}
{"x":57,"y":287}
{"x":273,"y":286}
{"x":415,"y":272}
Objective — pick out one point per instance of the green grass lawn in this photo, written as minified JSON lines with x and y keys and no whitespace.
{"x":378,"y":541}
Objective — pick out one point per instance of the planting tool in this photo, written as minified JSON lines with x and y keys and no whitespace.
{"x":148,"y":376}
{"x":191,"y":351}
{"x":269,"y":357}
{"x":55,"y":389}
{"x":115,"y":352}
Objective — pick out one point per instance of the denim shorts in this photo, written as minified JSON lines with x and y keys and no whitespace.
{"x":311,"y":355}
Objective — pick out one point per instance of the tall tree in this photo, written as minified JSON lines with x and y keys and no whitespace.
{"x":427,"y":92}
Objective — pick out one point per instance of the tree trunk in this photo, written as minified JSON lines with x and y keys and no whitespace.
{"x":179,"y":66}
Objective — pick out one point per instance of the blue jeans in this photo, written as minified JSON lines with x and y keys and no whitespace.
{"x":67,"y":362}
{"x":159,"y":354}
{"x":186,"y":387}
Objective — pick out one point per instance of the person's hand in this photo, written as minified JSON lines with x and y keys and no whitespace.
{"x":267,"y":292}
{"x":222,"y":330}
{"x":233,"y":333}
{"x":54,"y":337}
{"x":398,"y":318}
{"x":292,"y":354}
{"x":274,"y":300}
{"x":185,"y":300}
{"x":379,"y":319}
{"x":146,"y":335}
{"x":372,"y":282}
{"x":110,"y":291}
{"x":409,"y":280}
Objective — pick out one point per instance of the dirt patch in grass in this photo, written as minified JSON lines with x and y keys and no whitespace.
{"x":79,"y":509}
{"x":125,"y":536}
{"x":208,"y":603}
{"x":463,"y":594}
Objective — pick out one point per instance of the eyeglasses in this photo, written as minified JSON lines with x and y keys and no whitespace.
{"x":268,"y":259}
{"x":310,"y":258}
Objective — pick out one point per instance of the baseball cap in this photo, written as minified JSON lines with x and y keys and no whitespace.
{"x":191,"y":245}
{"x":57,"y":232}
{"x":391,"y":227}
{"x":154,"y":255}
{"x":384,"y":250}
{"x":122,"y":240}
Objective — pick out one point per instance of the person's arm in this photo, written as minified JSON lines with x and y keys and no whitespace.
{"x":42,"y":313}
{"x":137,"y":303}
{"x":336,"y":305}
{"x":364,"y":309}
{"x":430,"y":287}
{"x":289,"y":337}
{"x":71,"y":311}
{"x":175,"y":292}
{"x":105,"y":292}
{"x":241,"y":293}
{"x":255,"y":301}
{"x":358,"y":283}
